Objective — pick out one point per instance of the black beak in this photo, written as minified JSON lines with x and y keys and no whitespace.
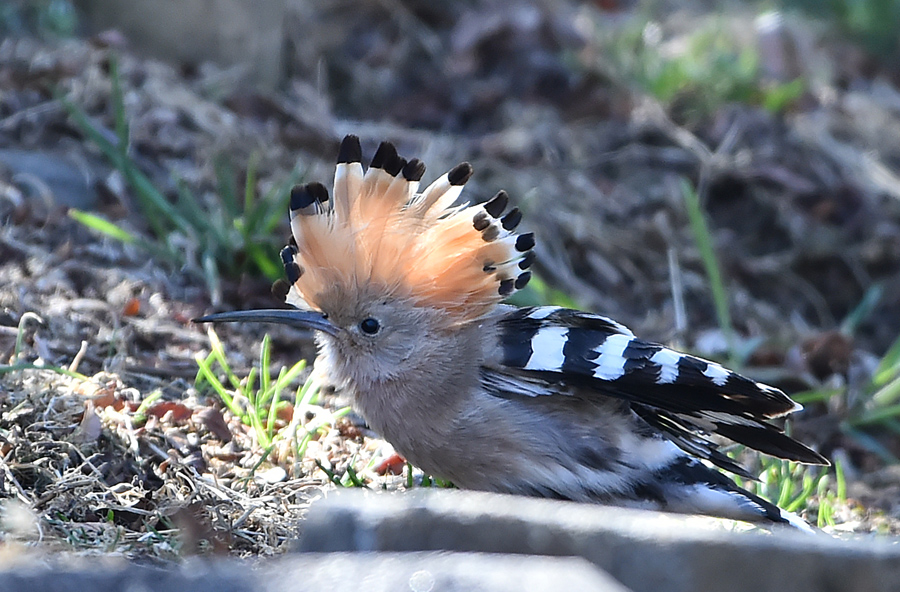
{"x":303,"y":319}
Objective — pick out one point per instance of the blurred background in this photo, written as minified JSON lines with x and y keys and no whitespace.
{"x":723,"y":176}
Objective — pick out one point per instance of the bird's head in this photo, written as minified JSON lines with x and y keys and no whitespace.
{"x":380,"y":269}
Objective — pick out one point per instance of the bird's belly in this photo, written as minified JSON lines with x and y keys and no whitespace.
{"x":504,"y":446}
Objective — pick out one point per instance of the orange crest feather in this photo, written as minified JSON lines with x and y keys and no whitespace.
{"x":380,"y":233}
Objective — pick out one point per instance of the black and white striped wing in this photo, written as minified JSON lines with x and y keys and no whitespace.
{"x":551,"y":351}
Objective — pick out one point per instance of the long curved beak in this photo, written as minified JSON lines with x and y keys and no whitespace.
{"x":303,"y":319}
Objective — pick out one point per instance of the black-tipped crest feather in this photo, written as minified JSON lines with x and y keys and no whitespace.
{"x":459,"y":174}
{"x":497,"y":204}
{"x":384,"y":154}
{"x":350,"y":150}
{"x":414,"y":170}
{"x":301,"y":197}
{"x":525,"y":242}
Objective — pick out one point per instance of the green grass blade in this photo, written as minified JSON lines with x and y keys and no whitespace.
{"x":264,"y":363}
{"x":351,"y":479}
{"x":102,"y":226}
{"x":841,"y":480}
{"x":152,"y":201}
{"x":307,"y":393}
{"x":264,"y":261}
{"x":255,"y":422}
{"x":863,"y":310}
{"x":225,"y":187}
{"x":800,"y":502}
{"x":93,"y":132}
{"x":888,"y":393}
{"x":4,"y":369}
{"x":218,"y":351}
{"x":303,"y":444}
{"x":144,"y":189}
{"x":704,"y":242}
{"x":204,"y":371}
{"x":107,"y":228}
{"x":211,"y":276}
{"x":286,"y":377}
{"x":250,"y":188}
{"x":826,"y":513}
{"x":875,"y":416}
{"x":247,"y":388}
{"x":786,"y":484}
{"x":889,"y":366}
{"x":816,"y":395}
{"x":262,"y":458}
{"x":190,"y":205}
{"x":329,"y":473}
{"x":140,"y":415}
{"x":273,"y":402}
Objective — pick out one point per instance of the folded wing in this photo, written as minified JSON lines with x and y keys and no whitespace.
{"x":550,"y":351}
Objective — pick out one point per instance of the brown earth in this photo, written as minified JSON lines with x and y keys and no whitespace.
{"x":802,"y":203}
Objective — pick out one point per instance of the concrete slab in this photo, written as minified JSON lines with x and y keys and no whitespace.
{"x":646,"y":551}
{"x":434,"y":572}
{"x":371,"y":572}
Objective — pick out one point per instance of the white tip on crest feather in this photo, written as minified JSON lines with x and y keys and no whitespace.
{"x":347,"y":182}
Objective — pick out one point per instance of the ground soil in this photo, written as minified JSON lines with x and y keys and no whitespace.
{"x":803,"y":206}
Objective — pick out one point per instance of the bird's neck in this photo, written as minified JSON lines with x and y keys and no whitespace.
{"x":420,"y":403}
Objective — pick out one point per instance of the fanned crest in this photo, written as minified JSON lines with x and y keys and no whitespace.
{"x":379,"y":233}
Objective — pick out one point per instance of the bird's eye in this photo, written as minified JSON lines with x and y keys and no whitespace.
{"x":369,"y":326}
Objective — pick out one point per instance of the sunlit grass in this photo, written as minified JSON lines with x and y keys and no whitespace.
{"x":234,"y":235}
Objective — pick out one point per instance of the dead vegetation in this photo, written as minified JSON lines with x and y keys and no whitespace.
{"x":802,"y":196}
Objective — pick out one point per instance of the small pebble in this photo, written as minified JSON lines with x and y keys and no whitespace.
{"x":273,"y":475}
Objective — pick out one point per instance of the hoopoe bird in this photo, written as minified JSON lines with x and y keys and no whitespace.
{"x":404,"y":290}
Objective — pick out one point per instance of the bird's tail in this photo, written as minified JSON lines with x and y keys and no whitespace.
{"x":692,"y":487}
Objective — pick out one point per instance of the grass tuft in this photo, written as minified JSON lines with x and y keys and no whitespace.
{"x":259,"y":402}
{"x":236,"y":235}
{"x":812,"y":491}
{"x":257,"y":407}
{"x":696,"y":73}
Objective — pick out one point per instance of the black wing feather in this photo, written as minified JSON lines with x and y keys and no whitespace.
{"x":686,"y":397}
